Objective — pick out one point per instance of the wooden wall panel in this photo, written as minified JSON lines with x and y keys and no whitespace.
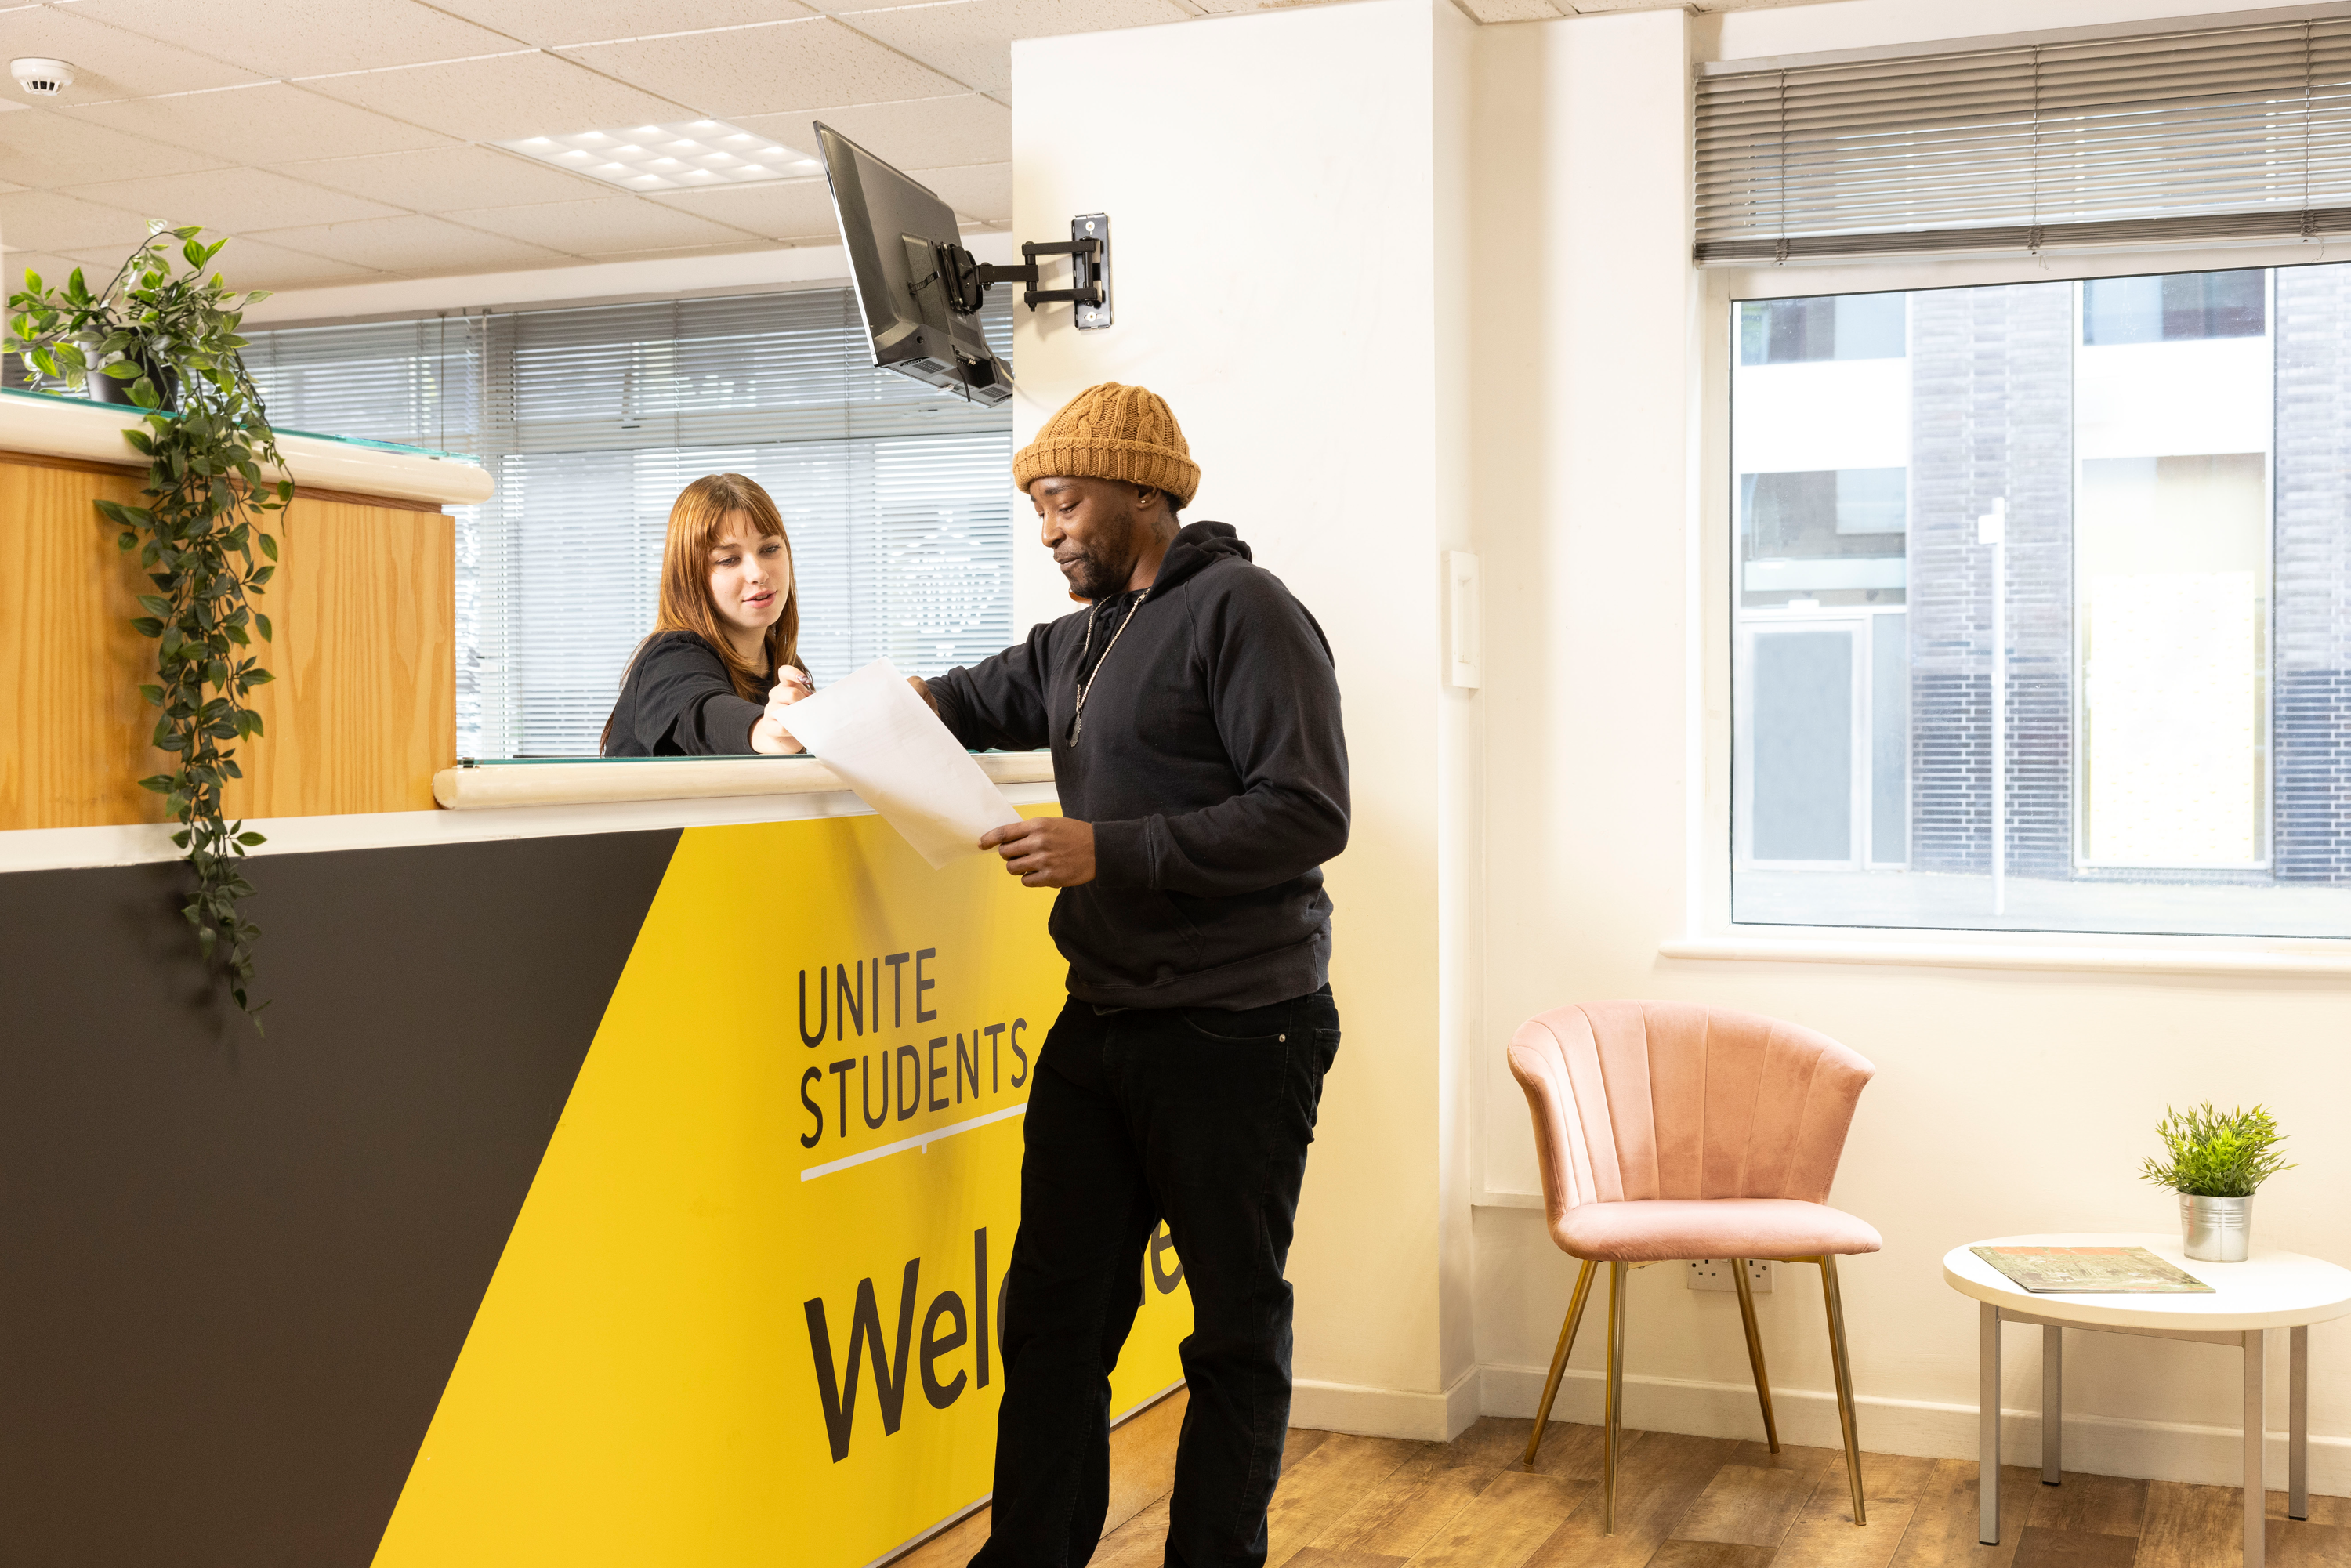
{"x":363,"y":710}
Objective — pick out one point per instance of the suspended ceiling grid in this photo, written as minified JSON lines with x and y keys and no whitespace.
{"x":348,"y":141}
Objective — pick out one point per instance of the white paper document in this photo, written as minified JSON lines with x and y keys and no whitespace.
{"x":888,"y":745}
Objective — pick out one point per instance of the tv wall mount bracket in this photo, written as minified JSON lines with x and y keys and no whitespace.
{"x":1087,"y":248}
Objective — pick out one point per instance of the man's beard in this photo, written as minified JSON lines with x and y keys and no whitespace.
{"x":1094,"y":579}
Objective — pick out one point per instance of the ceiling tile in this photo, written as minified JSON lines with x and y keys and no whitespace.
{"x":57,"y":147}
{"x":921,"y":134}
{"x":971,"y":40}
{"x":851,"y":7}
{"x":257,"y":264}
{"x":44,"y":220}
{"x":302,"y":37}
{"x":445,"y":178}
{"x":412,"y":245}
{"x":983,"y":191}
{"x":232,"y":199}
{"x":246,"y":264}
{"x":606,"y":225}
{"x":783,"y":209}
{"x":739,"y":248}
{"x":765,"y":69}
{"x":548,"y":23}
{"x":273,"y":124}
{"x":110,"y":63}
{"x":502,"y":99}
{"x":1512,"y":10}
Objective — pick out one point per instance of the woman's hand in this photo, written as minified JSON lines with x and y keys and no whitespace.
{"x":769,"y":738}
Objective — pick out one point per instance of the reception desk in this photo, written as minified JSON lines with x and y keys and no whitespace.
{"x":630,"y":1168}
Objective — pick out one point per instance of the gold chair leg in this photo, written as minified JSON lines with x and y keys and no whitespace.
{"x":1613,"y":1420}
{"x":1755,"y":1350}
{"x":1843,"y":1364}
{"x":1558,"y":1357}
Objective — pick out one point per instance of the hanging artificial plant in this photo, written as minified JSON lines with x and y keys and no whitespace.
{"x":169,"y":334}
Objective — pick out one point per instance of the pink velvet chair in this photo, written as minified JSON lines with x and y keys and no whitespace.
{"x":1669,"y":1131}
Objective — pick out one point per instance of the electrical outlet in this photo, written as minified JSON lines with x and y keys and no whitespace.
{"x":1714,"y":1274}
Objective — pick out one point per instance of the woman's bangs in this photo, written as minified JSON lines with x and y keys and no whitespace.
{"x":760,"y":508}
{"x":721,"y":497}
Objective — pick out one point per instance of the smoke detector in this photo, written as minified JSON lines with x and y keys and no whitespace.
{"x":42,"y":79}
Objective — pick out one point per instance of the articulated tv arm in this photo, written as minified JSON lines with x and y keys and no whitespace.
{"x":1087,"y":248}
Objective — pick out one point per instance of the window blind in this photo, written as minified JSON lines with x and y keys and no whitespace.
{"x":415,"y":383}
{"x":2215,"y":134}
{"x":897,"y":495}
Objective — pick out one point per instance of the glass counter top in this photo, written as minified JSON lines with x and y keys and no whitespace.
{"x":361,"y":441}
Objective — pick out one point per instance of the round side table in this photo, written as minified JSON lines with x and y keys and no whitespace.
{"x":2267,"y":1290}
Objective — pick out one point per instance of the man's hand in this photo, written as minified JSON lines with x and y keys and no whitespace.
{"x":769,"y":738}
{"x":1045,"y":851}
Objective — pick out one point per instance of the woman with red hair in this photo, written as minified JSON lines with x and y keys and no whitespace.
{"x":723,"y":660}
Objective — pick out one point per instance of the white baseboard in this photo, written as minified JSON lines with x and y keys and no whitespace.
{"x":2099,"y":1444}
{"x":1389,"y":1412}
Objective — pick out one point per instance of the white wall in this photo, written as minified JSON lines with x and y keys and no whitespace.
{"x":1286,"y":219}
{"x":2005,"y":1102}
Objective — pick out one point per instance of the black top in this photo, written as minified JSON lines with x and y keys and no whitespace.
{"x":677,"y":700}
{"x":1213,"y":769}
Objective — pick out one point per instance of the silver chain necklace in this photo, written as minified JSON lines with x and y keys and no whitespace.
{"x":1078,"y":722}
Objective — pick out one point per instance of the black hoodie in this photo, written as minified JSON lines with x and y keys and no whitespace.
{"x":1211,"y":764}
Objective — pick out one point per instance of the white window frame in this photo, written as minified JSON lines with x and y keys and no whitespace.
{"x":1710,"y":931}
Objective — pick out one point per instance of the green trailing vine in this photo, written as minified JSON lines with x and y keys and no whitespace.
{"x":168,"y":334}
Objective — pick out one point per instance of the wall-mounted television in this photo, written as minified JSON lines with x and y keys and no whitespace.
{"x":912,"y":274}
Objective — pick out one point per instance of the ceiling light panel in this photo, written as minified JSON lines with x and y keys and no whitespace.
{"x":689,"y":155}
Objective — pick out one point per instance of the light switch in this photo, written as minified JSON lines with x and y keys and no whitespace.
{"x":1463,"y":613}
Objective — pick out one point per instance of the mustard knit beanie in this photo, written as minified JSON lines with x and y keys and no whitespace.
{"x":1112,"y":432}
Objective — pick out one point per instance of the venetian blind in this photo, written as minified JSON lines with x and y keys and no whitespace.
{"x":419,"y":383}
{"x":415,"y":383}
{"x":897,"y":495}
{"x":2218,"y":133}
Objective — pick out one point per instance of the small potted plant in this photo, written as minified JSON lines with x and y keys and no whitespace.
{"x":2217,"y":1159}
{"x":122,"y":343}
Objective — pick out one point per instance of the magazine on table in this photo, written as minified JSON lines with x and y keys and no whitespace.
{"x":2089,"y":1270}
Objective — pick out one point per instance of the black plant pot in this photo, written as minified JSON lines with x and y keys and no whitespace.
{"x":104,"y":388}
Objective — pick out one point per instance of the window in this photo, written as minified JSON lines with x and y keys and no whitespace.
{"x":897,"y":496}
{"x":2045,"y":622}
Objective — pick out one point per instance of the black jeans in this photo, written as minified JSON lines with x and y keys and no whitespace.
{"x":1201,"y":1117}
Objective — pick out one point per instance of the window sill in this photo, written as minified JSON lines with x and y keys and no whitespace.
{"x":2333,"y":961}
{"x":589,"y":782}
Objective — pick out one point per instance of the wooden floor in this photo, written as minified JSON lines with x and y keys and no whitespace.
{"x":1709,"y":1502}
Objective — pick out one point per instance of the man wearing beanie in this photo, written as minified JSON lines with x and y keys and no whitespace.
{"x":1193,"y":713}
